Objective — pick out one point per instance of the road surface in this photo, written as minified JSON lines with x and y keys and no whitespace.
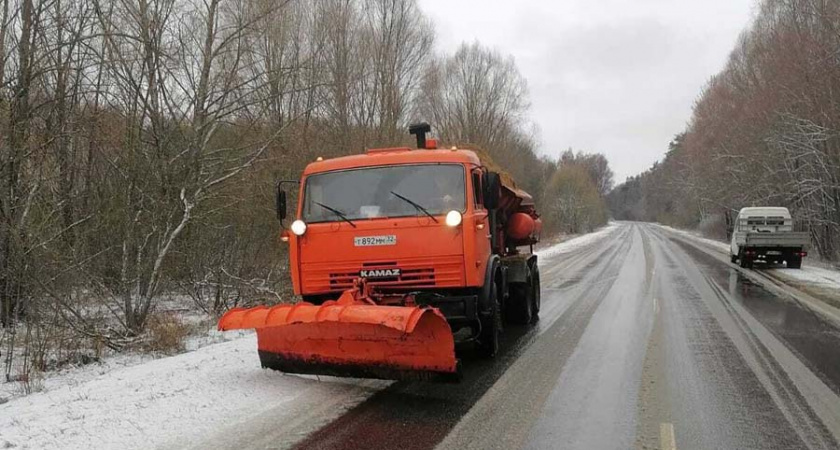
{"x":646,"y":340}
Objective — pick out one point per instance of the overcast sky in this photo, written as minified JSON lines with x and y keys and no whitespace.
{"x":612,"y":76}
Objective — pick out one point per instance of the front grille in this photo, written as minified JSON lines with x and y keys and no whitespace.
{"x":425,"y":273}
{"x":421,"y":277}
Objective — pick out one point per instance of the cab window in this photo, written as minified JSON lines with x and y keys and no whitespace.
{"x":476,"y":179}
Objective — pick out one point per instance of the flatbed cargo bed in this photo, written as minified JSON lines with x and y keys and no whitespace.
{"x":792,"y":239}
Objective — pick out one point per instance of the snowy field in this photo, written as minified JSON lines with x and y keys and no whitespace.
{"x":135,"y":401}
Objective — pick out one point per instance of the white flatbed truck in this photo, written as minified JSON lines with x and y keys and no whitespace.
{"x":765,"y":235}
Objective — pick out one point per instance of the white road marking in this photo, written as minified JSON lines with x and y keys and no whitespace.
{"x":666,"y":437}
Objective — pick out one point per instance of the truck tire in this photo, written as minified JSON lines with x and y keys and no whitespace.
{"x":520,"y":304}
{"x":733,"y":258}
{"x":795,"y":262}
{"x":491,"y":327}
{"x":535,"y":316}
{"x":746,"y":262}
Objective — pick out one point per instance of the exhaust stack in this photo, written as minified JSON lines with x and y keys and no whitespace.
{"x":420,"y":130}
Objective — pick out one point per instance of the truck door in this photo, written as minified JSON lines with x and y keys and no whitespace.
{"x":736,"y":229}
{"x":480,"y":240}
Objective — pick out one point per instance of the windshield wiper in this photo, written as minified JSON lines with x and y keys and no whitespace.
{"x":415,"y":205}
{"x":336,"y":212}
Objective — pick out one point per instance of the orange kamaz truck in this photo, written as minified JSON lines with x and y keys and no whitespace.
{"x":398,"y":255}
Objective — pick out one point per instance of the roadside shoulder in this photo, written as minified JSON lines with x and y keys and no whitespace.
{"x":815,"y":288}
{"x":170,"y":402}
{"x":577,"y":241}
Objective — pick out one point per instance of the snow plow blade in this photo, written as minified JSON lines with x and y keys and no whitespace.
{"x":351,"y":339}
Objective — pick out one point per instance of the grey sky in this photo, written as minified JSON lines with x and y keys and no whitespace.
{"x":612,"y":76}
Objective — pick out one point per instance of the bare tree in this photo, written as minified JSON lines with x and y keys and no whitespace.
{"x":765,"y":130}
{"x":140,"y":141}
{"x":475,"y":96}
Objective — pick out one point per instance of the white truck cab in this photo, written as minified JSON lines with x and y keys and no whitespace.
{"x":765,"y":234}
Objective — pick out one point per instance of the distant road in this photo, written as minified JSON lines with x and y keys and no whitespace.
{"x":646,"y":340}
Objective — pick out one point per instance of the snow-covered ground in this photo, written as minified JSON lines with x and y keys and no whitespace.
{"x":74,"y":374}
{"x":136,"y":401}
{"x":816,"y":275}
{"x":577,"y":242}
{"x":169,"y":402}
{"x":823,"y":282}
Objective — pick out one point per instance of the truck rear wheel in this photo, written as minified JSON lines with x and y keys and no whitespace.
{"x":536,"y":297}
{"x":746,"y":262}
{"x":795,"y":262}
{"x":733,"y":258}
{"x":491,"y":326}
{"x":520,"y":304}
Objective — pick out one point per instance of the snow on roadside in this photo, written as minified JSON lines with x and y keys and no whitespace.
{"x":717,"y":245}
{"x":176,"y":399}
{"x":577,"y":242}
{"x":73,"y":375}
{"x":813,"y":276}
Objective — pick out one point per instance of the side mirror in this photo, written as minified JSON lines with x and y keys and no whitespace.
{"x":280,"y":203}
{"x":492,"y":190}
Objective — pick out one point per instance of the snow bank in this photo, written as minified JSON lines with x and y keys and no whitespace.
{"x":165,"y":402}
{"x":578,"y":242}
{"x":816,"y":276}
{"x":717,"y":245}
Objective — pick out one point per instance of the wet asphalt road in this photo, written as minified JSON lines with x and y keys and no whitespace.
{"x":645,"y":341}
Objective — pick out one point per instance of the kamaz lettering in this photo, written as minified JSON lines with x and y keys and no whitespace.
{"x":379,"y":273}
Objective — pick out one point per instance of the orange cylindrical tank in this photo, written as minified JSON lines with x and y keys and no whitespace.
{"x":520,"y":226}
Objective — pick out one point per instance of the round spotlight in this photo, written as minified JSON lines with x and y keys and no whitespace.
{"x":453,"y":218}
{"x":298,"y":227}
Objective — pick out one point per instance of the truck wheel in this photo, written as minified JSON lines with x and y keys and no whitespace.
{"x":744,"y":261}
{"x":520,"y":305}
{"x":795,"y":262}
{"x":733,"y":258}
{"x":536,"y":297}
{"x":488,"y":340}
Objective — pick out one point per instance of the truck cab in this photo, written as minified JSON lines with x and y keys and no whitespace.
{"x":766,"y":235}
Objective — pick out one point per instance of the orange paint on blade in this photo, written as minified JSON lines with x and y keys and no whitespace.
{"x":348,"y":335}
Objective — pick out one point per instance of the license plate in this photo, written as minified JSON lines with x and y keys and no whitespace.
{"x":374,"y":241}
{"x":772,"y":252}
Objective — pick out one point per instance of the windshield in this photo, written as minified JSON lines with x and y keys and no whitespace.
{"x":376,"y":192}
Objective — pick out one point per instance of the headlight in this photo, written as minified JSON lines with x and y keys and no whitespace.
{"x":298,"y":227}
{"x":453,"y":218}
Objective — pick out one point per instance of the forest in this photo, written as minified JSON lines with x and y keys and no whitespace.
{"x":764,"y":131}
{"x":141,"y":140}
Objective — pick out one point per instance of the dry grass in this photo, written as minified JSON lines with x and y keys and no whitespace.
{"x":167,"y":333}
{"x":28,"y":382}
